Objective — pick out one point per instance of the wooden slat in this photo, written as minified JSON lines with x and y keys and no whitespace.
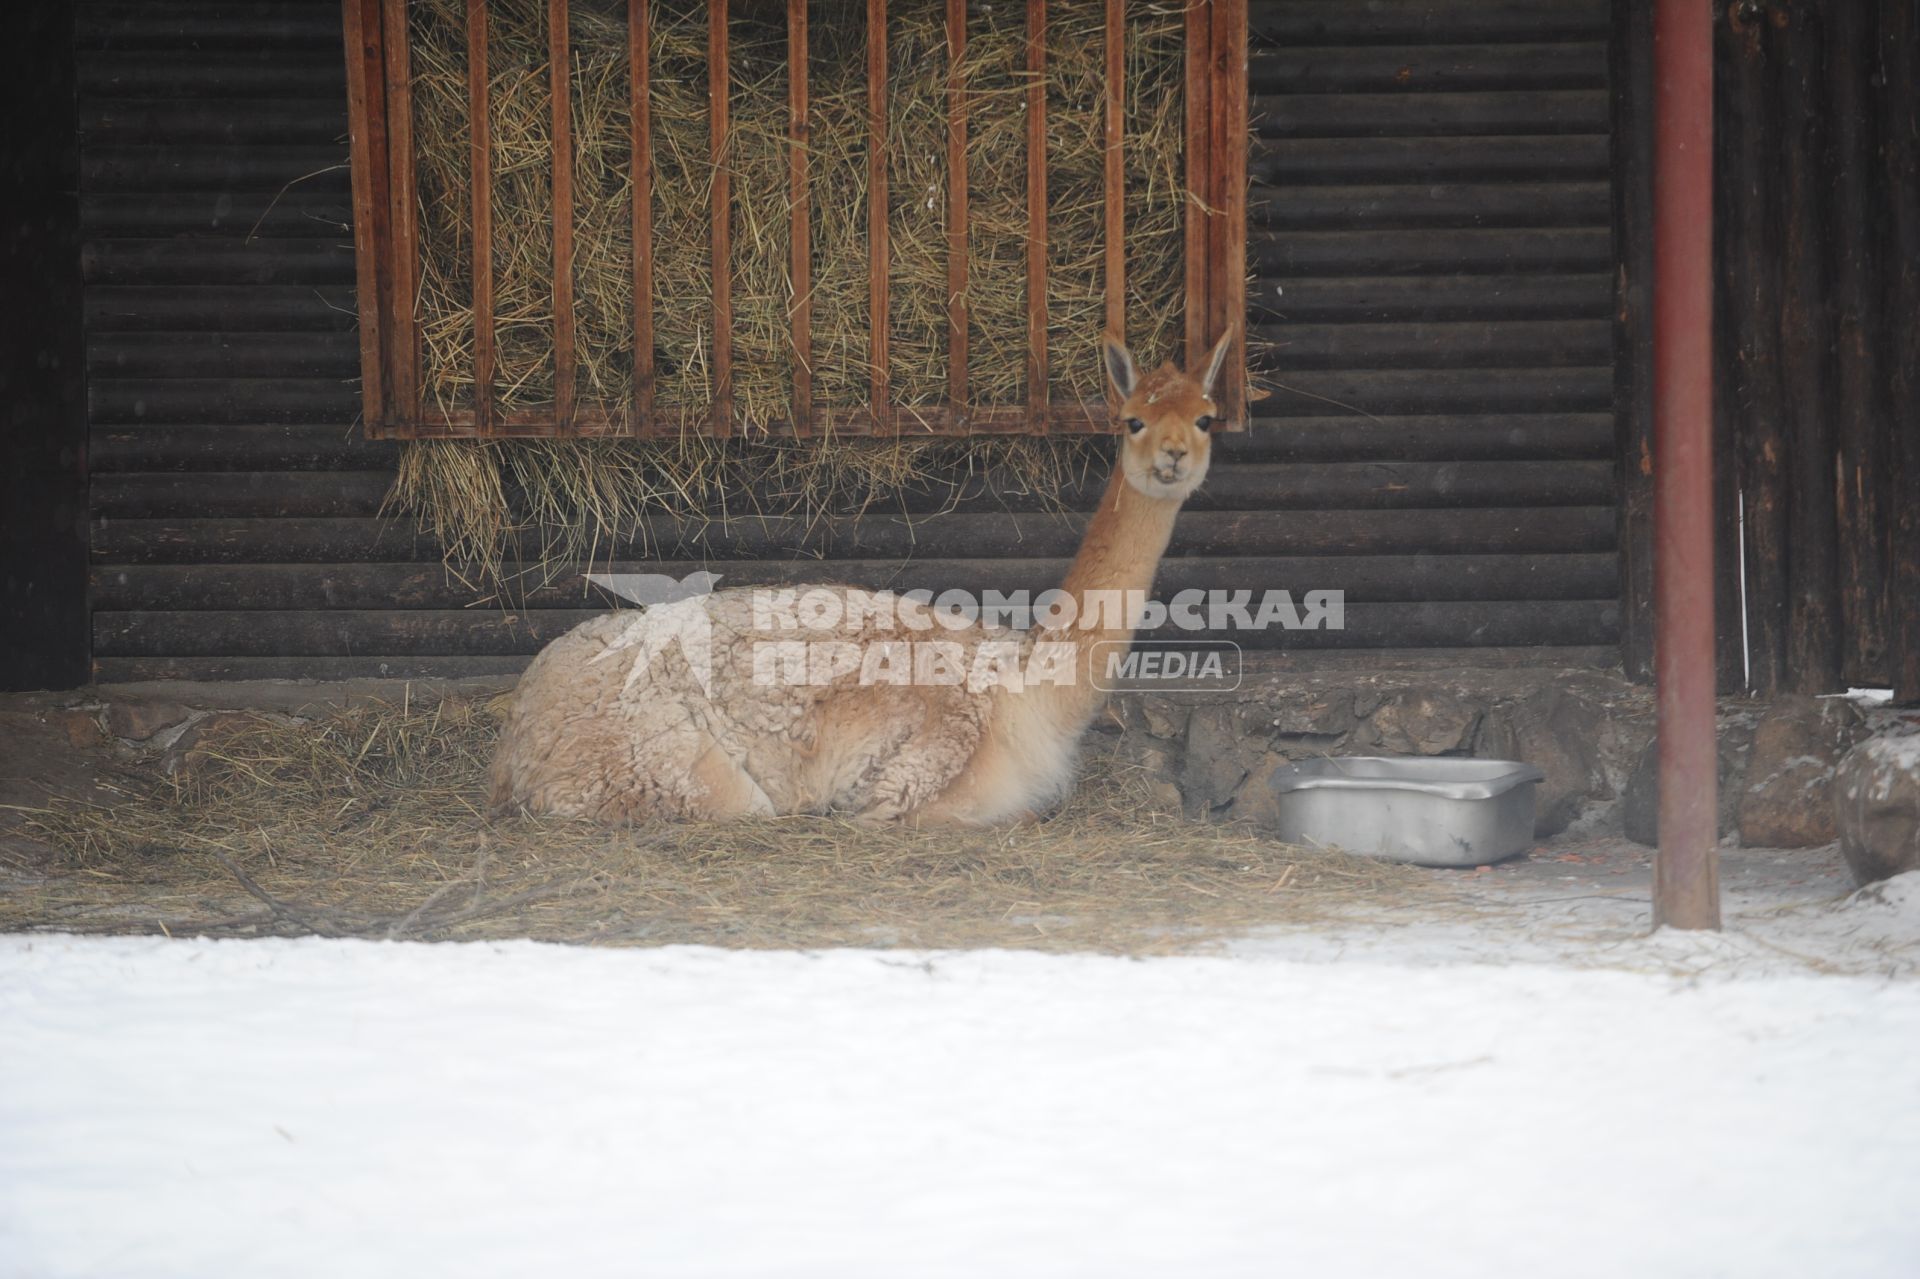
{"x":1474,"y":437}
{"x":1199,"y":105}
{"x":403,"y":373}
{"x":596,"y":420}
{"x":502,"y":669}
{"x":559,"y":72}
{"x":1038,"y":373}
{"x":718,"y":89}
{"x":1749,"y":397}
{"x":1431,"y":115}
{"x":879,"y":250}
{"x":367,"y":109}
{"x":1859,"y":276}
{"x":1243,"y":486}
{"x":640,"y":91}
{"x":1806,"y":350}
{"x":481,"y":163}
{"x":1227,"y":243}
{"x":985,"y":534}
{"x":426,"y":585}
{"x":1115,"y":193}
{"x":341,"y":633}
{"x":1900,"y":34}
{"x":800,"y":227}
{"x":292,"y":308}
{"x":127,"y":670}
{"x":957,"y":318}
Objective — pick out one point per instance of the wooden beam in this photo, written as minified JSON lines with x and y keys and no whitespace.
{"x":1115,"y":191}
{"x":1630,"y":68}
{"x":1227,"y":241}
{"x":1748,"y":232}
{"x":957,"y":268}
{"x":879,"y":251}
{"x":718,"y":88}
{"x":595,"y":420}
{"x":800,"y":225}
{"x":366,"y":114}
{"x":403,"y":371}
{"x":559,"y":73}
{"x":480,"y":177}
{"x":1856,"y":180}
{"x":1806,"y":349}
{"x":1038,"y":373}
{"x":640,"y":90}
{"x":1199,"y":186}
{"x":1900,"y":46}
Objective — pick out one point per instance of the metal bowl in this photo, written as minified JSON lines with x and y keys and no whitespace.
{"x":1431,"y":812}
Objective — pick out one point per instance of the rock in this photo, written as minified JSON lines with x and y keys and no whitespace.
{"x":1424,"y":721}
{"x":1213,"y":767}
{"x":1560,"y":735}
{"x":1164,"y":718}
{"x":80,"y":727}
{"x":1640,"y":800}
{"x":1255,"y":801}
{"x":1786,"y":795}
{"x":138,"y":721}
{"x":1149,"y":713}
{"x":1876,"y":807}
{"x":1640,"y":804}
{"x":1321,"y":718}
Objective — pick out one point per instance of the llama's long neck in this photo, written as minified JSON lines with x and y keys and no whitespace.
{"x":1118,"y":558}
{"x":1027,"y":759}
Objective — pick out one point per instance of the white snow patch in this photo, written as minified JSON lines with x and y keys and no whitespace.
{"x":1902,"y":750}
{"x":1897,"y":897}
{"x":330,"y":1108}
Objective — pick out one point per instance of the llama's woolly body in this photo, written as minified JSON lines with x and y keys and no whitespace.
{"x":605,"y":726}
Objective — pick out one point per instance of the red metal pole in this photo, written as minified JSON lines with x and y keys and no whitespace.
{"x":1686,"y":873}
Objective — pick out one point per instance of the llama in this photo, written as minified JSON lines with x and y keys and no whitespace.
{"x":639,"y":715}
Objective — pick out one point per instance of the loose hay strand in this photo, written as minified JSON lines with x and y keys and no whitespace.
{"x":369,"y":822}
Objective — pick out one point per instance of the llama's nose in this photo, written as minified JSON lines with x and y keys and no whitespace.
{"x":1173,"y":454}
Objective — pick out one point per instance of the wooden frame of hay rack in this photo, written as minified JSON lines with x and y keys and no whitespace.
{"x":924,"y":212}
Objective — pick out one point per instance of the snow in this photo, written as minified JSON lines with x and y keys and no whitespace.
{"x":332,"y":1107}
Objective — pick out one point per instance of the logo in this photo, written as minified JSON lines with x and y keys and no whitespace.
{"x":673,"y":611}
{"x":1175,"y":666}
{"x":820,"y":635}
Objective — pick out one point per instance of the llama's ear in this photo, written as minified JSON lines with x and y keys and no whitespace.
{"x":1215,"y":362}
{"x":1121,"y":369}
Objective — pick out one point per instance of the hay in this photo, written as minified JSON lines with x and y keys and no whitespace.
{"x":757,"y":160}
{"x":481,"y":499}
{"x":514,"y":515}
{"x":368,"y":822}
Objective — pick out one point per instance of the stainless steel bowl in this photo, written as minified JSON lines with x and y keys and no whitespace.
{"x":1432,"y":812}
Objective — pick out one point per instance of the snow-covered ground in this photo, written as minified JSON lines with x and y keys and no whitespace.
{"x":280,"y":1108}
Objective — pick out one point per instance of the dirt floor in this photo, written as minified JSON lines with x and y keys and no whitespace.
{"x":291,"y":819}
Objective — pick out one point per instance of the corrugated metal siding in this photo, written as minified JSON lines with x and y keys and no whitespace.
{"x":1432,"y":266}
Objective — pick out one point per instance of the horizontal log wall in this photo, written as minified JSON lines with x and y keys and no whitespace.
{"x":1429,"y":302}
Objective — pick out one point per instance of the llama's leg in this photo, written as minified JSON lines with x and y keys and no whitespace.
{"x":925,"y":765}
{"x":979,"y":794}
{"x":722,"y":790}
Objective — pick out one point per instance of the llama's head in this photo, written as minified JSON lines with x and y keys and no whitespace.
{"x":1166,"y":417}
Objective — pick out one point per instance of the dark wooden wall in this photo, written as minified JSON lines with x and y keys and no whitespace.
{"x":43,"y":483}
{"x":1819,"y":370}
{"x":1432,"y":265}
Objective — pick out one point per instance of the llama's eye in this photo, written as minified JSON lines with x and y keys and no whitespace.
{"x":1135,"y":426}
{"x":1204,"y":424}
